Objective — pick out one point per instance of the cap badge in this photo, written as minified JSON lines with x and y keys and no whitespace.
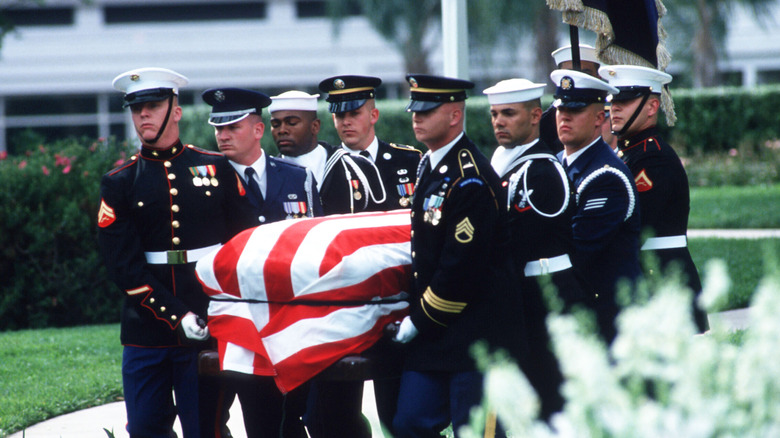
{"x":339,"y":84}
{"x":567,"y":83}
{"x":413,"y":82}
{"x":134,"y":77}
{"x":219,"y":96}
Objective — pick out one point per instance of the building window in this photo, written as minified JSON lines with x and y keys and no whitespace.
{"x":319,"y":8}
{"x":178,"y":12}
{"x":38,"y":16}
{"x":42,"y":105}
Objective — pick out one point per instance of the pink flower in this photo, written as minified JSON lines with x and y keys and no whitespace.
{"x":23,"y":164}
{"x":86,"y":173}
{"x":3,"y":155}
{"x":733,"y":152}
{"x":66,"y":169}
{"x":41,"y":149}
{"x":45,"y":170}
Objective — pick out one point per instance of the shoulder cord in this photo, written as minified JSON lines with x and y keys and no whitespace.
{"x":364,"y":180}
{"x":523,"y":172}
{"x":607,"y":169}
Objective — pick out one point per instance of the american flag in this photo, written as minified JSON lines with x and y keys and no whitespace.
{"x":292,"y":297}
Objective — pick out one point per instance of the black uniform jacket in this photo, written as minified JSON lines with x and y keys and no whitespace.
{"x":397,"y":166}
{"x":605,"y":227}
{"x":664,"y":198}
{"x":537,"y":198}
{"x":291,"y":192}
{"x":456,"y":297}
{"x":351,"y":183}
{"x":181,"y":198}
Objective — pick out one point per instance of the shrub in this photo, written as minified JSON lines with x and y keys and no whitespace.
{"x":50,"y":272}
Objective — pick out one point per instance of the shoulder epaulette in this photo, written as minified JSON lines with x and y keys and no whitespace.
{"x":124,"y":165}
{"x":404,"y":147}
{"x":204,"y":151}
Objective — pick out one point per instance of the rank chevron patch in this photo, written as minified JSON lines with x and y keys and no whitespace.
{"x":106,"y":215}
{"x":643,"y":182}
{"x":464,"y":231}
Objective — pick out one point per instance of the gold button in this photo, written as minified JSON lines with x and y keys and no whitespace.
{"x":175,"y":224}
{"x":412,"y":233}
{"x":415,"y":275}
{"x":208,"y":192}
{"x":167,"y":164}
{"x":413,"y":253}
{"x":151,"y":300}
{"x":175,"y":208}
{"x":155,"y":153}
{"x":171,"y":176}
{"x":412,"y":214}
{"x":173,"y":150}
{"x":597,"y":295}
{"x":140,"y":203}
{"x":174,"y":318}
{"x":174,"y":191}
{"x":162,"y":309}
{"x":176,"y":240}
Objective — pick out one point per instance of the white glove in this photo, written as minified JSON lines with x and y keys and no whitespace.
{"x":192,"y":329}
{"x":406,"y":331}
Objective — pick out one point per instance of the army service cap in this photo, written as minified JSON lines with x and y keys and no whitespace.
{"x":149,"y":84}
{"x":230,"y":105}
{"x":429,"y":92}
{"x":513,"y":91}
{"x":349,"y":92}
{"x":293,"y":100}
{"x":576,"y":89}
{"x":634,"y":81}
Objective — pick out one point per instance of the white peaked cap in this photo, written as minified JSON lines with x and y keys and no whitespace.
{"x":149,"y":78}
{"x":293,"y":101}
{"x":635,"y":76}
{"x":514,"y":90}
{"x":587,"y":53}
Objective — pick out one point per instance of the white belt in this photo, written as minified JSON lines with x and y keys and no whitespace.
{"x":666,"y":242}
{"x":178,"y":256}
{"x":547,"y":266}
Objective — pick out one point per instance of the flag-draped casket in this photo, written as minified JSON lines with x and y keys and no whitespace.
{"x":290,"y":298}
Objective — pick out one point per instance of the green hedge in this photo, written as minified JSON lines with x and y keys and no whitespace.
{"x":50,"y":272}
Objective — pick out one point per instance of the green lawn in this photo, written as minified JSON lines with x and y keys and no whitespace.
{"x":48,"y":372}
{"x":735,"y":207}
{"x":745,"y":258}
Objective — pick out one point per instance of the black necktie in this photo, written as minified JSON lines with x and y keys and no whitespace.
{"x":366,"y":154}
{"x":255,"y":195}
{"x":425,"y":168}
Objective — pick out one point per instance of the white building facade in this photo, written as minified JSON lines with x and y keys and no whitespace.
{"x":56,"y":68}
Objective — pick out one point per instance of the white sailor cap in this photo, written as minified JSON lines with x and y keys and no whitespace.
{"x":563,"y":54}
{"x":634,"y":81}
{"x":149,"y":84}
{"x":576,"y":89}
{"x":513,"y":90}
{"x":293,"y":100}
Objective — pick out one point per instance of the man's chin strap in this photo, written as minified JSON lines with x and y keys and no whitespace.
{"x":633,"y":116}
{"x":165,"y":122}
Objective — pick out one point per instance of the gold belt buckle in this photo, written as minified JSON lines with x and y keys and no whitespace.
{"x":177,"y":257}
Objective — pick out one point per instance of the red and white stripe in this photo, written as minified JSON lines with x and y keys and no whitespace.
{"x":357,"y":257}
